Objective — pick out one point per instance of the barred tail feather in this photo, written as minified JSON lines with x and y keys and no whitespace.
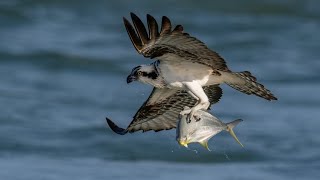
{"x":248,"y":84}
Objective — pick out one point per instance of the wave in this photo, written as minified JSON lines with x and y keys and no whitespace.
{"x":56,"y":60}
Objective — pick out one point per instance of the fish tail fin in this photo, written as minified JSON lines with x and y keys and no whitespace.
{"x":247,"y":83}
{"x":230,"y":127}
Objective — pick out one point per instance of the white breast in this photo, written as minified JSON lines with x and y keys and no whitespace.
{"x":175,"y":73}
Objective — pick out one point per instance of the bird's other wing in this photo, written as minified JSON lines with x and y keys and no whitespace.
{"x":162,"y":108}
{"x":170,"y":45}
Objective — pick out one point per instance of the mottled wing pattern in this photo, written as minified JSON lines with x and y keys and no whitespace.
{"x":163,"y":114}
{"x":170,"y":45}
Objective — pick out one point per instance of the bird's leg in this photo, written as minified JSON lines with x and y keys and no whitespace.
{"x":203,"y":101}
{"x":188,"y":110}
{"x":194,"y":96}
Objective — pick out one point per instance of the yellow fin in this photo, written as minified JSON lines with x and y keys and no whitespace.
{"x":183,"y":143}
{"x":205,"y":144}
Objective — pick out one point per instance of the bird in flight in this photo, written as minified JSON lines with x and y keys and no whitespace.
{"x":184,"y":63}
{"x":185,"y":73}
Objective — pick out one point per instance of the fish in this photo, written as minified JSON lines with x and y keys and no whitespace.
{"x":201,"y":131}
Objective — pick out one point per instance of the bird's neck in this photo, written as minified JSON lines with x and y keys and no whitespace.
{"x":159,"y":82}
{"x":156,"y":67}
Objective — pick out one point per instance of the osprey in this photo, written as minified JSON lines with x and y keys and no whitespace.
{"x":184,"y":65}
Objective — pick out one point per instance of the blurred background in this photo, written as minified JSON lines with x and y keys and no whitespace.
{"x":63,"y":69}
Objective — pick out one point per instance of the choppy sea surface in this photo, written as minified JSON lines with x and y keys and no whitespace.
{"x":63,"y":68}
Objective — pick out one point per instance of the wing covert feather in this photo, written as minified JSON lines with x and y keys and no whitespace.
{"x":163,"y":113}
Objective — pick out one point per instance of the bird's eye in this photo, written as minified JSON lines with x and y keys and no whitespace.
{"x":139,"y":73}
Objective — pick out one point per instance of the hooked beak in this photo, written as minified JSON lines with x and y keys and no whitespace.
{"x":184,"y":143}
{"x":130,"y":78}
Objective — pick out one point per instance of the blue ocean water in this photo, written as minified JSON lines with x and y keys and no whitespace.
{"x":63,"y":68}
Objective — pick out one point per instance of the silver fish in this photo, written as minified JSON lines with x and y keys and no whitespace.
{"x":201,"y":131}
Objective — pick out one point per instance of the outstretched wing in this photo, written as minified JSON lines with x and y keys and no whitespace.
{"x":162,"y":108}
{"x":170,"y":45}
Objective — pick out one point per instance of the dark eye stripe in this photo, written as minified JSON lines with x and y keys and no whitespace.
{"x":152,"y":75}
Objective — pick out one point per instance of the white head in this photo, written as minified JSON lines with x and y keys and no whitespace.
{"x":146,"y":74}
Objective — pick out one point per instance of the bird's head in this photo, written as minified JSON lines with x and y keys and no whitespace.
{"x":144,"y":73}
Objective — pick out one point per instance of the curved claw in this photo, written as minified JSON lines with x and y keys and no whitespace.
{"x":191,"y":116}
{"x":187,"y":112}
{"x":197,"y":118}
{"x":188,"y":119}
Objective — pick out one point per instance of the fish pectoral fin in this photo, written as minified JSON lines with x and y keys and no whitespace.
{"x":205,"y":144}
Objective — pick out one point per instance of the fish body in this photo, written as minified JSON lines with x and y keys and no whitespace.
{"x":201,"y":131}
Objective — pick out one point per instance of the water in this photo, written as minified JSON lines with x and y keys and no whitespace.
{"x":63,"y":66}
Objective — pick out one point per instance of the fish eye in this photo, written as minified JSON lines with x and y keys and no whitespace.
{"x":139,"y":73}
